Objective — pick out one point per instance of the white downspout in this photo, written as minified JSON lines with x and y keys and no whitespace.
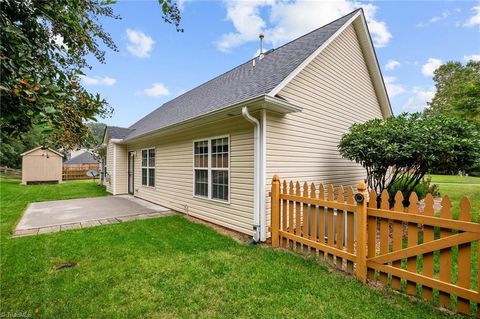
{"x":114,"y":173}
{"x":263,"y":171}
{"x":257,"y":167}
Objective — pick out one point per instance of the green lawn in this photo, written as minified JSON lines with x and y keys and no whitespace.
{"x":170,"y":267}
{"x":455,"y":179}
{"x":458,"y":186}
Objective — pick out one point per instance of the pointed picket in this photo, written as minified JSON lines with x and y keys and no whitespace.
{"x":313,"y":214}
{"x":339,"y":229}
{"x":384,"y":232}
{"x":445,"y":254}
{"x":428,"y":235}
{"x":350,"y":228}
{"x":412,"y":235}
{"x":298,"y":212}
{"x":304,"y":208}
{"x":321,"y":216}
{"x":330,"y":222}
{"x":372,"y":232}
{"x":464,"y":258}
{"x":397,"y":237}
{"x":284,"y":213}
{"x":291,"y":218}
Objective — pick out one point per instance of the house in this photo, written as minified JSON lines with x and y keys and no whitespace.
{"x":83,"y":159}
{"x":77,"y":166}
{"x":41,"y":165}
{"x":212,"y":151}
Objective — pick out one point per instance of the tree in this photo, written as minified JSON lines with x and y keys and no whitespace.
{"x":402,"y":149}
{"x":97,"y":130}
{"x":43,"y":51}
{"x":458,"y":90}
{"x":11,"y":147}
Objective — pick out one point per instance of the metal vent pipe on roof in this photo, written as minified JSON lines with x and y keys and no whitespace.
{"x":261,"y":36}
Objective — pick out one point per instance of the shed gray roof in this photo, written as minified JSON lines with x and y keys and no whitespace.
{"x":241,"y":83}
{"x":83,"y":158}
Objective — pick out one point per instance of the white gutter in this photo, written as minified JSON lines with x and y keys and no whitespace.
{"x":257,"y":173}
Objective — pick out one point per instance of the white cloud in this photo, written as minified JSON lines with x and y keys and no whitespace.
{"x":393,"y":88}
{"x":430,"y":67}
{"x":391,"y":65}
{"x":472,"y":57}
{"x":139,"y":44}
{"x":419,"y":99}
{"x":107,"y":81}
{"x":475,"y":19}
{"x":443,"y":16}
{"x":181,"y":4}
{"x":157,"y":89}
{"x":282,"y":21}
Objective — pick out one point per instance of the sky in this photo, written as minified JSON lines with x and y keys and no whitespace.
{"x":155,"y":63}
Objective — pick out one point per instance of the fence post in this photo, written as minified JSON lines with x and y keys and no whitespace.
{"x":275,"y":210}
{"x":361,"y":232}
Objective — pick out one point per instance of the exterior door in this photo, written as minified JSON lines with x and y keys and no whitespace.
{"x":131,"y":169}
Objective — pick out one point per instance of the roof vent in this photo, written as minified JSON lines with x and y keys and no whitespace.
{"x":261,"y":36}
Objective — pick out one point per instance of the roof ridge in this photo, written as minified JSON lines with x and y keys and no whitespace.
{"x":242,"y":64}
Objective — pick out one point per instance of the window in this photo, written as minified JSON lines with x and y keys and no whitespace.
{"x":148,"y":167}
{"x":211,"y":168}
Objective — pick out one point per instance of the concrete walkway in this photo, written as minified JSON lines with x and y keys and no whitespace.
{"x":54,"y":216}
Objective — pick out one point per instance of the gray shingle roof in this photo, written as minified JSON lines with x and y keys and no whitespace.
{"x":83,"y":158}
{"x":118,"y":132}
{"x":239,"y":84}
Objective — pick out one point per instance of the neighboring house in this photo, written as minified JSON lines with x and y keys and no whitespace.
{"x":78,"y":166}
{"x":41,"y":165}
{"x":212,"y":151}
{"x":75,"y":153}
{"x":83,"y":159}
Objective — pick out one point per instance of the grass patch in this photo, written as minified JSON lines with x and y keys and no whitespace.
{"x":169,"y":267}
{"x":455,"y":179}
{"x":454,"y":187}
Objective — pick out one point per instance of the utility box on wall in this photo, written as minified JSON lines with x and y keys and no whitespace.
{"x":41,"y":165}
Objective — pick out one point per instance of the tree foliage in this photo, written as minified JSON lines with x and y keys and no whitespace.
{"x":458,"y":90}
{"x":402,"y":149}
{"x":43,"y":51}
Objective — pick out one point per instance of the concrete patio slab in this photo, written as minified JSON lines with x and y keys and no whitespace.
{"x":62,"y":215}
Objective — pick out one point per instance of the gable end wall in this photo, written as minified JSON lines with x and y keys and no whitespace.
{"x":335,"y":91}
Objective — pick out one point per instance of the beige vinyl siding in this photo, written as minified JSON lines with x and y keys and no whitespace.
{"x":109,"y":179}
{"x":119,"y":176}
{"x":37,"y":167}
{"x":335,"y":91}
{"x":174,"y":174}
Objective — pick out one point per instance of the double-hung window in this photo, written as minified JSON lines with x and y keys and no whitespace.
{"x":211,"y":168}
{"x":148,"y":167}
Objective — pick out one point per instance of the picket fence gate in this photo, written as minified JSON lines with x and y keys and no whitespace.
{"x":402,"y":247}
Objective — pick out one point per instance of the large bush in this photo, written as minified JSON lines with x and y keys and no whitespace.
{"x":402,"y":149}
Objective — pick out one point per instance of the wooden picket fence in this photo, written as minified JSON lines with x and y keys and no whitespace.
{"x":418,"y":252}
{"x":78,"y":171}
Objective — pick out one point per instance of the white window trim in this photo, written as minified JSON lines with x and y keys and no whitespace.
{"x":147,"y":167}
{"x":209,"y":169}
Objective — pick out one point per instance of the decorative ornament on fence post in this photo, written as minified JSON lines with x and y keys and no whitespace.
{"x":361,"y":212}
{"x":275,"y":209}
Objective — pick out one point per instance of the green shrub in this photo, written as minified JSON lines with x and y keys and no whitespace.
{"x":420,"y":189}
{"x":425,"y":187}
